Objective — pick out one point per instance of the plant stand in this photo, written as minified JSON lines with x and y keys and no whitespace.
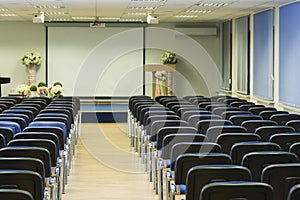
{"x":169,"y":68}
{"x":31,"y":74}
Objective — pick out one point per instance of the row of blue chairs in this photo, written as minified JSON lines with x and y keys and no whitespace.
{"x":157,"y":121}
{"x":38,"y":139}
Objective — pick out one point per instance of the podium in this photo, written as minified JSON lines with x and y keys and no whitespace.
{"x":169,"y":68}
{"x":3,"y":80}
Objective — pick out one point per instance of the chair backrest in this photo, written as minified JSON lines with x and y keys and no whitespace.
{"x":212,"y":133}
{"x":201,"y":175}
{"x":226,"y":140}
{"x":22,"y":123}
{"x":185,"y":162}
{"x":194,"y":119}
{"x":151,"y":119}
{"x":295,"y":148}
{"x":2,"y":141}
{"x":238,"y":150}
{"x":28,"y":113}
{"x":294,"y":124}
{"x":25,"y":180}
{"x":192,"y":147}
{"x":34,"y":110}
{"x":43,"y":143}
{"x":155,"y":126}
{"x":294,"y":193}
{"x":256,"y":161}
{"x":285,"y":140}
{"x":239,"y":103}
{"x":59,"y":110}
{"x":212,"y":106}
{"x":239,"y":119}
{"x":163,"y":132}
{"x":142,"y":117}
{"x":252,"y":125}
{"x":57,"y":131}
{"x":170,"y":140}
{"x":247,"y":106}
{"x":40,"y":135}
{"x":281,"y":177}
{"x":227,"y":114}
{"x":237,"y":190}
{"x":221,"y":110}
{"x":231,"y":100}
{"x":25,"y":117}
{"x":265,"y":132}
{"x":53,"y":124}
{"x":8,"y":133}
{"x":15,"y":194}
{"x":31,"y":164}
{"x":268,"y":113}
{"x":282,"y":119}
{"x":257,"y":110}
{"x":203,"y":125}
{"x":182,"y":110}
{"x":55,"y":119}
{"x":13,"y":125}
{"x":185,"y":116}
{"x":32,"y":152}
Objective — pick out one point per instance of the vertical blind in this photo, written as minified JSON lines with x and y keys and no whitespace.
{"x":263,"y":55}
{"x":226,"y":57}
{"x":242,"y":54}
{"x":289,"y":59}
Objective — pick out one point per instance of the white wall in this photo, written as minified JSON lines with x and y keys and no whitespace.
{"x":17,"y":38}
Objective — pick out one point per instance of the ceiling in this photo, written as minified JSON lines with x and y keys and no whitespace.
{"x":133,"y":10}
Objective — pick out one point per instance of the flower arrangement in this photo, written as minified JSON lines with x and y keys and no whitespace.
{"x":41,"y":90}
{"x":161,"y":75}
{"x":168,"y":58}
{"x":31,"y":58}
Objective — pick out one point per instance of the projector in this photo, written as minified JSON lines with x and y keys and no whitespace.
{"x":38,"y":18}
{"x":152,"y":19}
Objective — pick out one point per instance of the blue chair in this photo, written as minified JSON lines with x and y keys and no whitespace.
{"x":268,"y":113}
{"x":29,"y":113}
{"x":227,"y":114}
{"x":256,"y":161}
{"x":186,"y":114}
{"x":258,"y":110}
{"x":12,"y":125}
{"x":25,"y":117}
{"x":237,"y":190}
{"x":186,"y":161}
{"x":21,"y":121}
{"x":194,"y":119}
{"x":221,"y":110}
{"x":281,"y":177}
{"x":202,"y":175}
{"x":282,"y":119}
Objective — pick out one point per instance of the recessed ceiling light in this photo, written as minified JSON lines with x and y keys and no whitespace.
{"x":186,"y":16}
{"x":109,"y":18}
{"x":137,"y":13}
{"x":198,"y":11}
{"x":206,"y":4}
{"x":3,"y":10}
{"x":60,"y":20}
{"x":148,"y":0}
{"x":46,"y":7}
{"x":142,"y":7}
{"x":7,"y":15}
{"x":131,"y":20}
{"x":54,"y":13}
{"x":83,"y":18}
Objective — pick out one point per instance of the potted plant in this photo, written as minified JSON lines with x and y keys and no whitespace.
{"x":31,"y":60}
{"x":33,"y":90}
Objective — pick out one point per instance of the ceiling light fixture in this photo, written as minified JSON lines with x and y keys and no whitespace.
{"x":206,"y":4}
{"x":83,"y":18}
{"x":7,"y":15}
{"x":137,"y":13}
{"x":186,"y":16}
{"x":198,"y":11}
{"x":142,"y":7}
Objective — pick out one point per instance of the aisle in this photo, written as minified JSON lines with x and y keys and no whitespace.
{"x":105,"y":167}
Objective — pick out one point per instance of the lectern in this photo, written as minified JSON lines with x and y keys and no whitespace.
{"x":3,"y":80}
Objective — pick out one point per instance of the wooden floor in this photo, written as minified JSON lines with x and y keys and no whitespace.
{"x":105,"y":166}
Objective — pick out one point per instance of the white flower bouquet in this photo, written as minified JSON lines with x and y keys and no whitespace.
{"x":168,"y":58}
{"x":31,"y":58}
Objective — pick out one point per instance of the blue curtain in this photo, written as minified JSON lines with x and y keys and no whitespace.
{"x":242,"y":54}
{"x":263,"y":55}
{"x":289,"y":54}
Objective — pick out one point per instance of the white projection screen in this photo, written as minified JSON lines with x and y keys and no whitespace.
{"x":96,"y":61}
